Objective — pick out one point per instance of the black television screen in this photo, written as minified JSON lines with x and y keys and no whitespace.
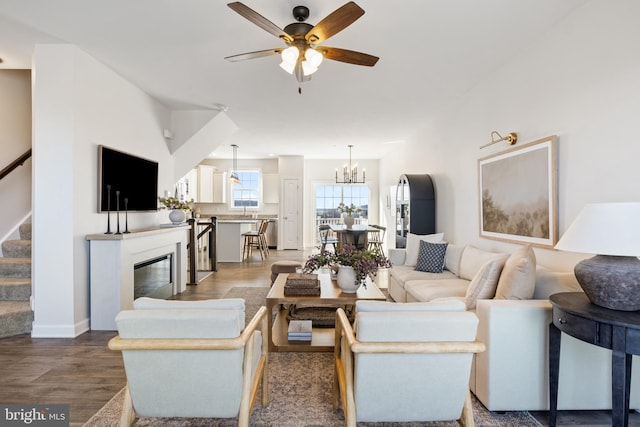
{"x":134,"y":177}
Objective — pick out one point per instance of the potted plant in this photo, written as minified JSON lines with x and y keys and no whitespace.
{"x":349,"y":210}
{"x":178,"y":208}
{"x":354,"y":265}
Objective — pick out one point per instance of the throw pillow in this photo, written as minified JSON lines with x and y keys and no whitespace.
{"x":453,"y":257}
{"x":413,"y":242}
{"x":484,"y":283}
{"x":431,"y":257}
{"x":518,"y":277}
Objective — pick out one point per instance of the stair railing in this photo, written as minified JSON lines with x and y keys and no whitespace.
{"x":15,"y":164}
{"x":198,"y":229}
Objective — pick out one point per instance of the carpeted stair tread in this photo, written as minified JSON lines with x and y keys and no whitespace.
{"x":16,"y":248}
{"x":15,"y":318}
{"x":15,"y":267}
{"x":25,"y":231}
{"x":15,"y":289}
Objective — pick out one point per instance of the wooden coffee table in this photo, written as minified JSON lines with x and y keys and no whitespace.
{"x":330,"y":296}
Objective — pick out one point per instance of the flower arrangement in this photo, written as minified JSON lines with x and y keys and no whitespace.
{"x":365,"y":262}
{"x":350,"y":210}
{"x":174,"y":203}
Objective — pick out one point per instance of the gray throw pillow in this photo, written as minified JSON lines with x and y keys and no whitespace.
{"x":431,"y":257}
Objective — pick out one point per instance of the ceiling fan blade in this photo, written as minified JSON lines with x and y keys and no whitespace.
{"x":253,"y":55}
{"x":260,"y":20}
{"x":348,"y":56}
{"x":335,"y":22}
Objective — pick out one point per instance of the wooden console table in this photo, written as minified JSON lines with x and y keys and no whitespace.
{"x":619,"y":331}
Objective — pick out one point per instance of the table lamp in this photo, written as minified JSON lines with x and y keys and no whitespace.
{"x":610,"y":279}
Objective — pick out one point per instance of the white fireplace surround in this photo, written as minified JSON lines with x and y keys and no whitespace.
{"x":112,"y":261}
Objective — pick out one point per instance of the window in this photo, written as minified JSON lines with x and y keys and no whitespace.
{"x":328,"y":197}
{"x":247,"y":193}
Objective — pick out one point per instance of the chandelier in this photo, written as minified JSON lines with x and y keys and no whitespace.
{"x":350,"y":173}
{"x":233,"y":178}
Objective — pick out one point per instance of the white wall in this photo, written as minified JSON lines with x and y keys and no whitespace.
{"x":79,"y":104}
{"x":580,"y":82}
{"x":15,"y":140}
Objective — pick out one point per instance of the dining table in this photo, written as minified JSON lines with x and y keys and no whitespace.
{"x":356,"y":234}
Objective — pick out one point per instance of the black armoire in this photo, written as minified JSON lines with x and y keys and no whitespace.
{"x":415,"y":207}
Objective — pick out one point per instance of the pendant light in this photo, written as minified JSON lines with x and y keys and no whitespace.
{"x":233,"y":178}
{"x":350,"y":173}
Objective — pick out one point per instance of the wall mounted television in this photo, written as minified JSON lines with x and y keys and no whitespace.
{"x":136,"y":179}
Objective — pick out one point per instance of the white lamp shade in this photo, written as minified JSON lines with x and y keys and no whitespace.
{"x":313,"y":56}
{"x":288,"y":67}
{"x":604,"y":229}
{"x":308,"y":68}
{"x":290,"y":55}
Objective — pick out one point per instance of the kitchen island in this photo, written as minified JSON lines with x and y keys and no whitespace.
{"x":229,"y":240}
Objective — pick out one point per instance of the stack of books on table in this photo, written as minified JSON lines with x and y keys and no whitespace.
{"x":302,"y":284}
{"x":300,"y":331}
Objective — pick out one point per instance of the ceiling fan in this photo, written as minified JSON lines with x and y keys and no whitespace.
{"x":303,"y":55}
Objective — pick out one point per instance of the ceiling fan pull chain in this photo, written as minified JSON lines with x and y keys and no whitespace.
{"x":299,"y":90}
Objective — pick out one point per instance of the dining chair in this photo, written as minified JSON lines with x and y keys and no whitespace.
{"x":324,"y":231}
{"x":375,"y":237}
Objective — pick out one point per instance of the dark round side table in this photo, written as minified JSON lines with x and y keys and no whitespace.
{"x":619,"y":331}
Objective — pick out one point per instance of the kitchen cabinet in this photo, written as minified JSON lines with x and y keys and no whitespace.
{"x":220,"y":187}
{"x":205,"y":183}
{"x":271,"y":188}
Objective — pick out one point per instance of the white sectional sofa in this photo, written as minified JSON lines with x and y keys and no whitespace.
{"x":512,"y":374}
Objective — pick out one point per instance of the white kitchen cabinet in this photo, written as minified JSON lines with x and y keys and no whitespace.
{"x":220,"y":187}
{"x":271,"y":188}
{"x":205,"y":183}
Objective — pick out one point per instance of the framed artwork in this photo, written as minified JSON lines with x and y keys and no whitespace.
{"x":518,"y":194}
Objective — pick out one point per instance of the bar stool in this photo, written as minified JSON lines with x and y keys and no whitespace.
{"x":256,"y":239}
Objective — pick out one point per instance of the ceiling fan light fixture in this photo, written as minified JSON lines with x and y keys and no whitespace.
{"x":308,"y":68}
{"x":288,"y":67}
{"x":314,"y":57}
{"x":290,"y":55}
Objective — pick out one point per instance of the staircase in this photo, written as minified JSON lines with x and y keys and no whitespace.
{"x":16,"y":316}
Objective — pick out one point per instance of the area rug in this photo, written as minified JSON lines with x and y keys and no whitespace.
{"x":300,"y":394}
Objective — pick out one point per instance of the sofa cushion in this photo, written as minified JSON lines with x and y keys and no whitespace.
{"x":449,"y":305}
{"x":484,"y":283}
{"x":431,"y":257}
{"x":413,"y":242}
{"x":551,"y":282}
{"x":518,"y":277}
{"x":428,"y":290}
{"x":473,"y":259}
{"x":403,"y":274}
{"x":452,"y":258}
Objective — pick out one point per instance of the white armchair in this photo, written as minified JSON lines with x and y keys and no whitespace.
{"x":405,"y":362}
{"x":192,"y":359}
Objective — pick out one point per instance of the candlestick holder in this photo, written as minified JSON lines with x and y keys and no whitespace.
{"x":108,"y":210}
{"x":118,"y":211}
{"x":126,"y":216}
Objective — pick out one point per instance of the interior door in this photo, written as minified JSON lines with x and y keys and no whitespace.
{"x":290,"y":220}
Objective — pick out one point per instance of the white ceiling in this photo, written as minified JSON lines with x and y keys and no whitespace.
{"x":431,"y":52}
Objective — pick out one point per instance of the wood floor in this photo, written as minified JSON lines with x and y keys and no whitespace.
{"x":85,"y":374}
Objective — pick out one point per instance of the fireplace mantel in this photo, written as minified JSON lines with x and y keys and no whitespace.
{"x":112,"y":261}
